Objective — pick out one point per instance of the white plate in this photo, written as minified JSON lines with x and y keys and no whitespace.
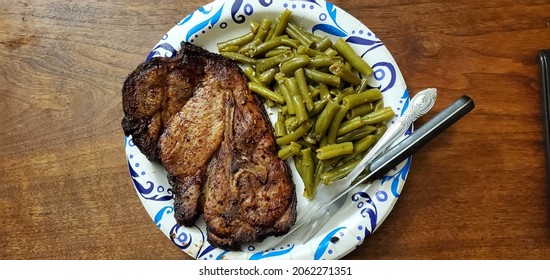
{"x":366,"y":210}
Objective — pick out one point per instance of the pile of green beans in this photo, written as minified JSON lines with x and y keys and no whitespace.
{"x":328,"y":117}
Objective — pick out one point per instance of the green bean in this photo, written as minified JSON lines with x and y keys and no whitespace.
{"x":265,"y":25}
{"x":323,"y":142}
{"x":361,"y":98}
{"x":239,"y":58}
{"x":339,"y":69}
{"x":308,"y":170}
{"x":269,"y":102}
{"x":359,"y":110}
{"x":331,"y":52}
{"x":350,"y":125}
{"x":254,"y":25}
{"x":279,"y":127}
{"x":333,"y":128}
{"x":364,"y":144}
{"x":379,"y":105}
{"x":295,"y":135}
{"x":309,"y":51}
{"x":300,"y":109}
{"x":318,"y":107}
{"x":319,"y":169}
{"x":230,"y":48}
{"x":295,"y":32}
{"x":355,"y":60}
{"x":324,"y":119}
{"x":341,"y":94}
{"x":291,"y":65}
{"x":267,"y":45}
{"x":339,"y":172}
{"x":334,"y":150}
{"x":265,"y":92}
{"x":291,"y":123}
{"x":298,"y":164}
{"x":277,"y":51}
{"x":293,"y":43}
{"x":323,"y":78}
{"x":321,"y":61}
{"x":287,"y":96}
{"x":302,"y":86}
{"x":379,"y":116}
{"x":239,"y":41}
{"x":282,"y":21}
{"x":288,"y":151}
{"x":248,"y":49}
{"x":316,"y":39}
{"x":268,"y":76}
{"x":324,"y":44}
{"x":292,"y":86}
{"x":363,"y":85}
{"x":356,"y":134}
{"x":270,"y":62}
{"x":323,"y":91}
{"x":251,"y":74}
{"x":313,"y":92}
{"x":298,"y":102}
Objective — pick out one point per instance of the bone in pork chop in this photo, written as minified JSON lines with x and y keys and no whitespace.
{"x":195,"y":114}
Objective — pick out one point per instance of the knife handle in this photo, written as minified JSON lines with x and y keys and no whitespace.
{"x":421,"y":136}
{"x":544,"y":56}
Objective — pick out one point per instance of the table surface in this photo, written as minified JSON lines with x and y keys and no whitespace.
{"x":476,"y":192}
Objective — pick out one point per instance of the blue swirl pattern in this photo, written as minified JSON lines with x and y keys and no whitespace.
{"x":150,"y":192}
{"x":160,"y":214}
{"x":401,"y":174}
{"x":368,"y":209}
{"x":325,"y":242}
{"x":271,"y":253}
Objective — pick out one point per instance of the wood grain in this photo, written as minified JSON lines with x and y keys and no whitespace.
{"x":475,"y":192}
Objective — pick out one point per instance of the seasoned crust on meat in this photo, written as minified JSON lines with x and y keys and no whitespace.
{"x":195,"y":114}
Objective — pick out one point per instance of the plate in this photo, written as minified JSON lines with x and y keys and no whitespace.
{"x":367,"y":207}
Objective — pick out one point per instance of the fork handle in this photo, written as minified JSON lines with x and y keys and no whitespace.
{"x":421,"y":136}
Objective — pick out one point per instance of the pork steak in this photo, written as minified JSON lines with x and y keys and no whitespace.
{"x":195,"y":115}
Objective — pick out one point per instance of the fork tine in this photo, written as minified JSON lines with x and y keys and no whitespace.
{"x":315,"y":224}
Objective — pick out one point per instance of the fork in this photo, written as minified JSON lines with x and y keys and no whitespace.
{"x":385,"y":162}
{"x":330,"y":198}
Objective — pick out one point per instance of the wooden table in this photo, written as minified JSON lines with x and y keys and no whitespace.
{"x":475,"y":192}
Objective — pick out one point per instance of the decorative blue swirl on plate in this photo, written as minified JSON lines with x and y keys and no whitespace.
{"x":248,"y":9}
{"x":368,"y":208}
{"x":335,"y":29}
{"x":309,"y":1}
{"x":323,"y":245}
{"x":159,"y":193}
{"x":207,"y":250}
{"x":208,"y":22}
{"x":180,"y":237}
{"x":165,"y":210}
{"x":386,"y":79}
{"x":163,"y":50}
{"x":365,"y":42}
{"x":265,"y":3}
{"x":399,"y":175}
{"x":271,"y":253}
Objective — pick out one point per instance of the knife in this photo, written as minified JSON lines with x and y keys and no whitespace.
{"x":544,"y":56}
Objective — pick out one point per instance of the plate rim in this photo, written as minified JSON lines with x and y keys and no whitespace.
{"x":164,"y":48}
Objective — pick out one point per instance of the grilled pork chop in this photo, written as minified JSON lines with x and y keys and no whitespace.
{"x":195,"y":115}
